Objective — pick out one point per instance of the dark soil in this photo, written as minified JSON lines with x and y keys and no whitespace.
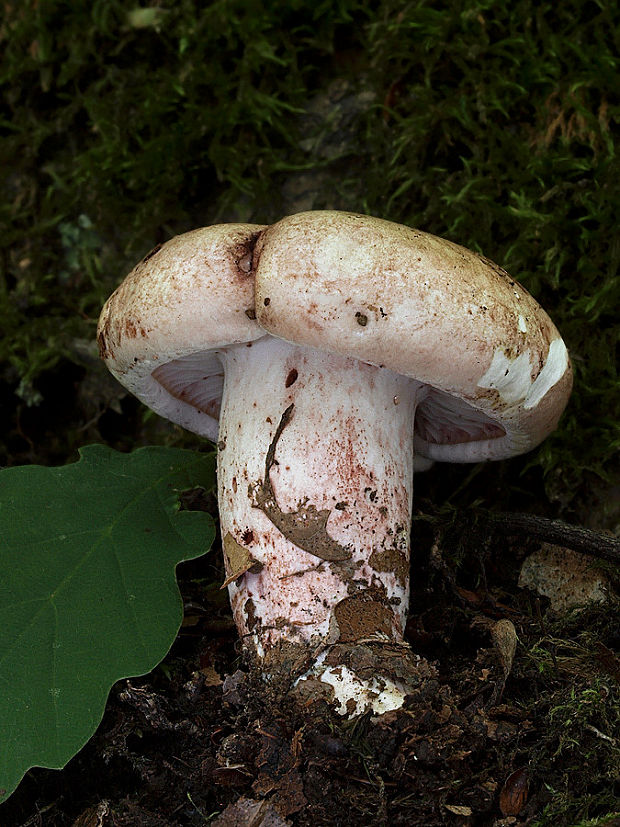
{"x":200,"y":741}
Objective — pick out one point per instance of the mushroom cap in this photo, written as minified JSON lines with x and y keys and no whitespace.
{"x":497,"y":370}
{"x":160,"y":330}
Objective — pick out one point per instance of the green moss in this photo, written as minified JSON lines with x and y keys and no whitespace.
{"x":577,"y":707}
{"x":491,"y":123}
{"x":501,"y":135}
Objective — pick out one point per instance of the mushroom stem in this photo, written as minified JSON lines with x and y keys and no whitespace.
{"x":315,"y":478}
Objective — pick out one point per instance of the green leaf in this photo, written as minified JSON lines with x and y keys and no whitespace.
{"x":88,"y":593}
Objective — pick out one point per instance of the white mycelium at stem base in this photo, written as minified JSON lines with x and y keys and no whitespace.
{"x":315,"y":476}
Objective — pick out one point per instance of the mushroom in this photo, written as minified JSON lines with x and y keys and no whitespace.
{"x":331,"y":347}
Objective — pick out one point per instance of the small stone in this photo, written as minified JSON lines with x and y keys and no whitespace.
{"x":567,"y":578}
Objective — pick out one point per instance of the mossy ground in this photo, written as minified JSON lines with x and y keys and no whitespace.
{"x":493,"y":124}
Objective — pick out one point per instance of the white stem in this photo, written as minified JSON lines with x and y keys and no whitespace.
{"x":315,"y":477}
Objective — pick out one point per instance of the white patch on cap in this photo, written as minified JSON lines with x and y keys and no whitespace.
{"x":522,"y":325}
{"x":511,"y":378}
{"x":554,"y":369}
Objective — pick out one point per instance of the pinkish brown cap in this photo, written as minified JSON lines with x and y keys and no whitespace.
{"x":160,"y":330}
{"x":497,"y":370}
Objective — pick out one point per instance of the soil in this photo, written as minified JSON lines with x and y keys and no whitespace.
{"x":201,"y":741}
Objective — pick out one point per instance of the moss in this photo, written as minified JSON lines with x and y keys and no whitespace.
{"x":493,"y":124}
{"x":574,"y":671}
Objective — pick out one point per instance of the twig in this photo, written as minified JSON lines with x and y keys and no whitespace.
{"x":577,"y":538}
{"x":484,"y":522}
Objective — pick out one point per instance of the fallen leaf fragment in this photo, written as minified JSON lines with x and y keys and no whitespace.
{"x":93,"y":816}
{"x":210,"y":676}
{"x":505,"y":639}
{"x":237,"y":560}
{"x":459,"y":810}
{"x":514,"y":793}
{"x":247,"y":812}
